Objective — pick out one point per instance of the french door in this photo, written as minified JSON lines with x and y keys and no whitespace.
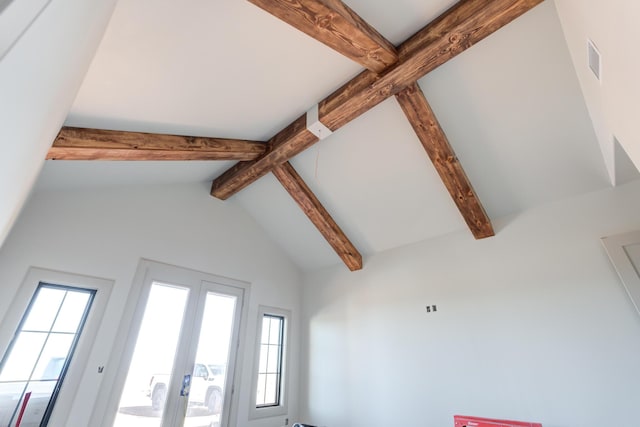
{"x":181,"y":352}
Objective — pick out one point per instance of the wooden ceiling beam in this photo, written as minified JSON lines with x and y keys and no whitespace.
{"x":311,"y":206}
{"x":336,"y":25}
{"x":283,"y":146}
{"x":97,"y":144}
{"x":457,"y":29}
{"x":433,"y":139}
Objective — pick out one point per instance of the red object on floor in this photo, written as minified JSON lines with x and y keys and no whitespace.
{"x":464,"y":421}
{"x":24,"y":406}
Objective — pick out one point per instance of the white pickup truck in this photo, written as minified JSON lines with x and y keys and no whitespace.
{"x":207,"y":383}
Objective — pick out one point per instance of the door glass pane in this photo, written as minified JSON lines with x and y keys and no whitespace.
{"x":37,"y":357}
{"x":208,"y":388}
{"x":44,"y":309}
{"x":71,"y":312}
{"x":145,"y":391}
{"x":40,"y":391}
{"x":24,"y":355}
{"x":53,"y":356}
{"x":10,"y":399}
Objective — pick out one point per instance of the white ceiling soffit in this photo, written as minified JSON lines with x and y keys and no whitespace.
{"x":511,"y":107}
{"x":625,"y":170}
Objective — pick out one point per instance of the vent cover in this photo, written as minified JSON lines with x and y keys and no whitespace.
{"x":595,"y":62}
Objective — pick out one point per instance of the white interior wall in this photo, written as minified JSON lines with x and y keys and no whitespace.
{"x":532,"y":324}
{"x":105,"y":233}
{"x":39,"y":79}
{"x":613,"y":27}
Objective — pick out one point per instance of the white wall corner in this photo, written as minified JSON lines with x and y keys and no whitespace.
{"x":40,"y":74}
{"x":625,"y":170}
{"x":607,"y":149}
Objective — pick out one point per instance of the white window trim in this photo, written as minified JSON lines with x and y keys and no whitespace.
{"x":72,"y":381}
{"x":282,"y":408}
{"x":615,"y":247}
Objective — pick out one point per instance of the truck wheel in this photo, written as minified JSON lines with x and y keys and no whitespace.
{"x":158,"y":397}
{"x":214,"y":401}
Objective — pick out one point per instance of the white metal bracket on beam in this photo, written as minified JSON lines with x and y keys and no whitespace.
{"x":315,"y":126}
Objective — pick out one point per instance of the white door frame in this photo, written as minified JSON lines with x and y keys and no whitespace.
{"x":148,"y":272}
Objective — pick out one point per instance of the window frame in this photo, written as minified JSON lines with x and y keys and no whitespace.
{"x":282,"y":407}
{"x":78,"y":373}
{"x":20,"y":329}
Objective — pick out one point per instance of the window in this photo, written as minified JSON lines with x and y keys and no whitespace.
{"x":270,"y":362}
{"x":269,"y":392}
{"x":33,"y":368}
{"x":45,"y":340}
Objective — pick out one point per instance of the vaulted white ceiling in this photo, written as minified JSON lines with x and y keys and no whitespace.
{"x":511,"y":107}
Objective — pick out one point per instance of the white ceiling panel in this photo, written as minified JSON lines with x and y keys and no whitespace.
{"x":511,"y":107}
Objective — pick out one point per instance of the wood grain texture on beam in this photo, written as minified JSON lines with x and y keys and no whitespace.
{"x":424,"y":122}
{"x":466,"y":23}
{"x":97,"y":144}
{"x":311,"y":206}
{"x":287,"y":143}
{"x":336,"y":25}
{"x":456,"y":30}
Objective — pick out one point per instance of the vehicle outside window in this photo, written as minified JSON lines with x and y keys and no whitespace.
{"x":207,"y":385}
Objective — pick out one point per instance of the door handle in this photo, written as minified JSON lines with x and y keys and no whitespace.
{"x":186,"y":385}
